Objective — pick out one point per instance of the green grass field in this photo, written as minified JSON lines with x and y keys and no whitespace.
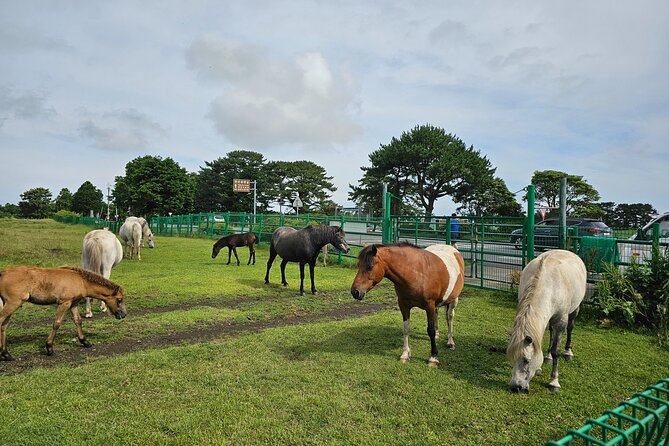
{"x":209,"y":354}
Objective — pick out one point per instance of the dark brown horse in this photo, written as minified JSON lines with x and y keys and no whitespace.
{"x":303,"y":246}
{"x":424,"y":278}
{"x":232,"y":242}
{"x":46,"y":286}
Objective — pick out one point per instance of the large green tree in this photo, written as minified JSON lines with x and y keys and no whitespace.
{"x":493,"y":198}
{"x":10,"y":210}
{"x":214,"y":183}
{"x":63,"y":201}
{"x":153,"y":185}
{"x":423,"y":165}
{"x":87,"y":198}
{"x":580,"y":195}
{"x":36,"y":203}
{"x":306,"y":178}
{"x":623,"y":215}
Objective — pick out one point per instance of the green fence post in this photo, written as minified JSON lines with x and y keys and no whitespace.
{"x":386,"y":221}
{"x":530,"y":222}
{"x":482,"y":251}
{"x":415,"y":230}
{"x":448,"y":230}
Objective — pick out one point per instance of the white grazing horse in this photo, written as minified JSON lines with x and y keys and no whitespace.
{"x":131,"y":233}
{"x":101,"y":252}
{"x":551,"y":289}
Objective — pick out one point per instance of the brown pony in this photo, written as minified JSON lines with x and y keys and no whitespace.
{"x":424,"y":278}
{"x":62,"y":286}
{"x":232,"y":242}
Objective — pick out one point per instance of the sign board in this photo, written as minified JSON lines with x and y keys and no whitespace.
{"x":239,"y":185}
{"x":297,"y":203}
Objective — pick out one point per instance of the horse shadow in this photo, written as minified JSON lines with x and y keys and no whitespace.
{"x":479,"y":360}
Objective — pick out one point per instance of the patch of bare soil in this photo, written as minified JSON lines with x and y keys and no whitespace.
{"x":77,"y":356}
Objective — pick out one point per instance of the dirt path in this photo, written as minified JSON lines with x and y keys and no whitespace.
{"x":76,"y":356}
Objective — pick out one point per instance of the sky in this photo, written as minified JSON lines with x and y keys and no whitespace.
{"x":580,"y":87}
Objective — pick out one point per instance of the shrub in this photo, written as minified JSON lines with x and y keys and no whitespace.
{"x":638,"y":296}
{"x":66,"y":213}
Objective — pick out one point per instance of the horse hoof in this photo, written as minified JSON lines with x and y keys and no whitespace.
{"x":5,"y":356}
{"x":548,"y":360}
{"x":88,"y":315}
{"x":301,"y":293}
{"x":450,"y":345}
{"x":553,"y":388}
{"x":405,"y":359}
{"x":49,"y":351}
{"x":86,"y":343}
{"x":433,"y":362}
{"x":314,"y":292}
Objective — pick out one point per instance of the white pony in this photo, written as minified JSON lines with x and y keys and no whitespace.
{"x":551,"y":289}
{"x":131,"y":233}
{"x":101,"y":252}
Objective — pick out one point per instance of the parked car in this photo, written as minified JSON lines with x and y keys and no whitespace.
{"x":546,"y":232}
{"x":642,"y":252}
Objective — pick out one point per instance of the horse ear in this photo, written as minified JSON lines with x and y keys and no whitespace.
{"x":528,"y":340}
{"x":373,"y":250}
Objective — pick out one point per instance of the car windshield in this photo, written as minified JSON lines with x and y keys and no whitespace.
{"x":598,"y":224}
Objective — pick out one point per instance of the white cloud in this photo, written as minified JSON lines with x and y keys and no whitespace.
{"x":267,"y":101}
{"x":23,"y":106}
{"x":121,"y":130}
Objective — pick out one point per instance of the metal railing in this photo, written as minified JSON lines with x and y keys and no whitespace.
{"x":642,"y":420}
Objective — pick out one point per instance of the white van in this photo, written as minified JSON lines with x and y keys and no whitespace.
{"x":643,"y":252}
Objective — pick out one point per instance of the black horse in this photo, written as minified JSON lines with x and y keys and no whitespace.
{"x":303,"y":246}
{"x":232,"y":242}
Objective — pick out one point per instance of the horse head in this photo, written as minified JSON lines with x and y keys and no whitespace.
{"x":371,"y":271}
{"x":339,"y":241}
{"x":527,"y":359}
{"x":220,"y":244}
{"x":115,"y":303}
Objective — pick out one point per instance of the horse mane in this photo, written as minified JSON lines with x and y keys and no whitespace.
{"x":366,"y":257}
{"x":322,"y":233}
{"x":95,"y":278}
{"x":527,"y":321}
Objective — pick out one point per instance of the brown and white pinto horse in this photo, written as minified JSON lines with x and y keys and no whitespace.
{"x":424,"y":278}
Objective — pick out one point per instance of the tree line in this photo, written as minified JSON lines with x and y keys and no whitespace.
{"x":420,"y":167}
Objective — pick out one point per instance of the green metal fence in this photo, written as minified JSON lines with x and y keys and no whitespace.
{"x":97,"y":223}
{"x":642,"y":420}
{"x":495,"y":249}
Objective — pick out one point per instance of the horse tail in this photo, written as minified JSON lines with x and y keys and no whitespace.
{"x":136,"y":237}
{"x":2,"y":299}
{"x":91,"y":256}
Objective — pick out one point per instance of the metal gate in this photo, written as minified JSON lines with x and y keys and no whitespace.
{"x":492,"y":259}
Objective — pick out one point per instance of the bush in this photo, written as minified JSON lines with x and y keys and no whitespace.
{"x":638,"y":296}
{"x":66,"y":213}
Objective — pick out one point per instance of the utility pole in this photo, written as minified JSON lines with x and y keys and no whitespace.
{"x":255,"y":187}
{"x":108,"y":194}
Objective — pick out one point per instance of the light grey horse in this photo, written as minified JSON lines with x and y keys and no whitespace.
{"x":303,"y":246}
{"x":131,"y":233}
{"x":101,"y":252}
{"x":551,"y":289}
